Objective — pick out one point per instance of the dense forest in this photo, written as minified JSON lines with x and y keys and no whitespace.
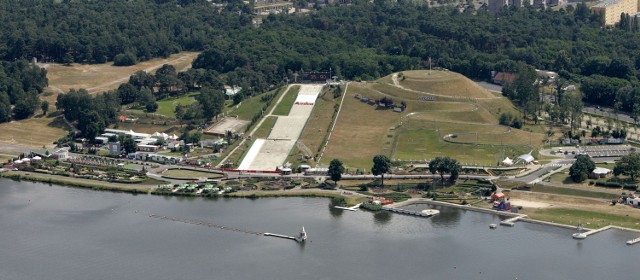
{"x":365,"y":41}
{"x":359,"y":41}
{"x":98,"y":31}
{"x":20,"y":84}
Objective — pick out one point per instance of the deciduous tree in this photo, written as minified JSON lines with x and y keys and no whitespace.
{"x":381,"y":165}
{"x":335,"y":170}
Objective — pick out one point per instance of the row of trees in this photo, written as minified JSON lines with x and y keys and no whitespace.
{"x":382,"y":165}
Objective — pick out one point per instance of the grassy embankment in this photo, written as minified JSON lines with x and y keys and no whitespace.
{"x":458,"y":107}
{"x":315,"y":131}
{"x":83,"y":183}
{"x":590,"y":219}
{"x":287,"y":102}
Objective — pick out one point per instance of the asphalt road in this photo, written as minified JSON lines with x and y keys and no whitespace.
{"x":607,"y":112}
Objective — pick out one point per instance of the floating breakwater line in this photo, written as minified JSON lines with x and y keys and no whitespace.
{"x":205,"y":224}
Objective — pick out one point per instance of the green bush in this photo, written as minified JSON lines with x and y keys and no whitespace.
{"x":371,"y":207}
{"x":125,"y":59}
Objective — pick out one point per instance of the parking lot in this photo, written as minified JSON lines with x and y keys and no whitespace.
{"x":597,"y":151}
{"x":607,"y":151}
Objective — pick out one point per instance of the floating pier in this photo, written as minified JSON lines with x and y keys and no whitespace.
{"x":594,"y":231}
{"x":633,"y":241}
{"x":511,"y":221}
{"x":279,"y":235}
{"x":302,"y":237}
{"x":352,"y":208}
{"x":424,"y":213}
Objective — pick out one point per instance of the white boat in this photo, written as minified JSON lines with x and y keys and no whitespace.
{"x":302,"y":237}
{"x":579,"y":234}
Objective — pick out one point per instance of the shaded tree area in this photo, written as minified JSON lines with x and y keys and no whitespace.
{"x":20,"y":84}
{"x":445,"y":165}
{"x":581,"y":168}
{"x":92,"y":113}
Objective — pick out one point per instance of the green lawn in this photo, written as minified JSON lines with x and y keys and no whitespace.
{"x":568,"y":191}
{"x":287,"y":102}
{"x":426,"y":144}
{"x":590,"y":219}
{"x":264,"y":130}
{"x":252,"y":105}
{"x":167,"y":106}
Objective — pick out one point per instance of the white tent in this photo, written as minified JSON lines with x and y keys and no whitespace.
{"x":507,"y":161}
{"x":527,"y":158}
{"x":601,"y":172}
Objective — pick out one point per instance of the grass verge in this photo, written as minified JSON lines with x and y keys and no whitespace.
{"x":287,"y":102}
{"x":592,"y":220}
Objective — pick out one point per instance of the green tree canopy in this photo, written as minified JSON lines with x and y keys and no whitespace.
{"x":381,"y":165}
{"x":628,"y":165}
{"x":444,"y":165}
{"x":335,"y":170}
{"x":581,"y":168}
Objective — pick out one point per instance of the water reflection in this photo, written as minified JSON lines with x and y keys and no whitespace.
{"x":335,"y":212}
{"x":448,"y":216}
{"x":381,"y":217}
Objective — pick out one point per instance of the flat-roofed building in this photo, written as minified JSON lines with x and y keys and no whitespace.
{"x":612,"y":9}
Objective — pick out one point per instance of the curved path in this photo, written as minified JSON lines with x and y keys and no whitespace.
{"x":396,"y":83}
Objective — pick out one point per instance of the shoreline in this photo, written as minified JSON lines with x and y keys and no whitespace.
{"x":151,"y":190}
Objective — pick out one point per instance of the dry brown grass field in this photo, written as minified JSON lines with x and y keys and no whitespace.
{"x":103,"y":77}
{"x":443,"y":83}
{"x":361,"y":130}
{"x":34,"y":132}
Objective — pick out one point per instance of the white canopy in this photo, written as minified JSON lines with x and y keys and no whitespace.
{"x":601,"y":171}
{"x":507,"y":161}
{"x":527,"y":158}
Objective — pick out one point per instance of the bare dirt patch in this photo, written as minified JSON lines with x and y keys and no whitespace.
{"x":227,"y":124}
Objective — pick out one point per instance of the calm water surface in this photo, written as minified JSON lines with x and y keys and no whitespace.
{"x":51,"y":232}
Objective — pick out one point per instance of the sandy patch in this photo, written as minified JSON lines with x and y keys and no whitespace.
{"x":529,"y":203}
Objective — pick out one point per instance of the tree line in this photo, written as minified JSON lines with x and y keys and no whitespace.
{"x":20,"y":84}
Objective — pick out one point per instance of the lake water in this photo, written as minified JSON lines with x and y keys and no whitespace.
{"x":52,"y":232}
